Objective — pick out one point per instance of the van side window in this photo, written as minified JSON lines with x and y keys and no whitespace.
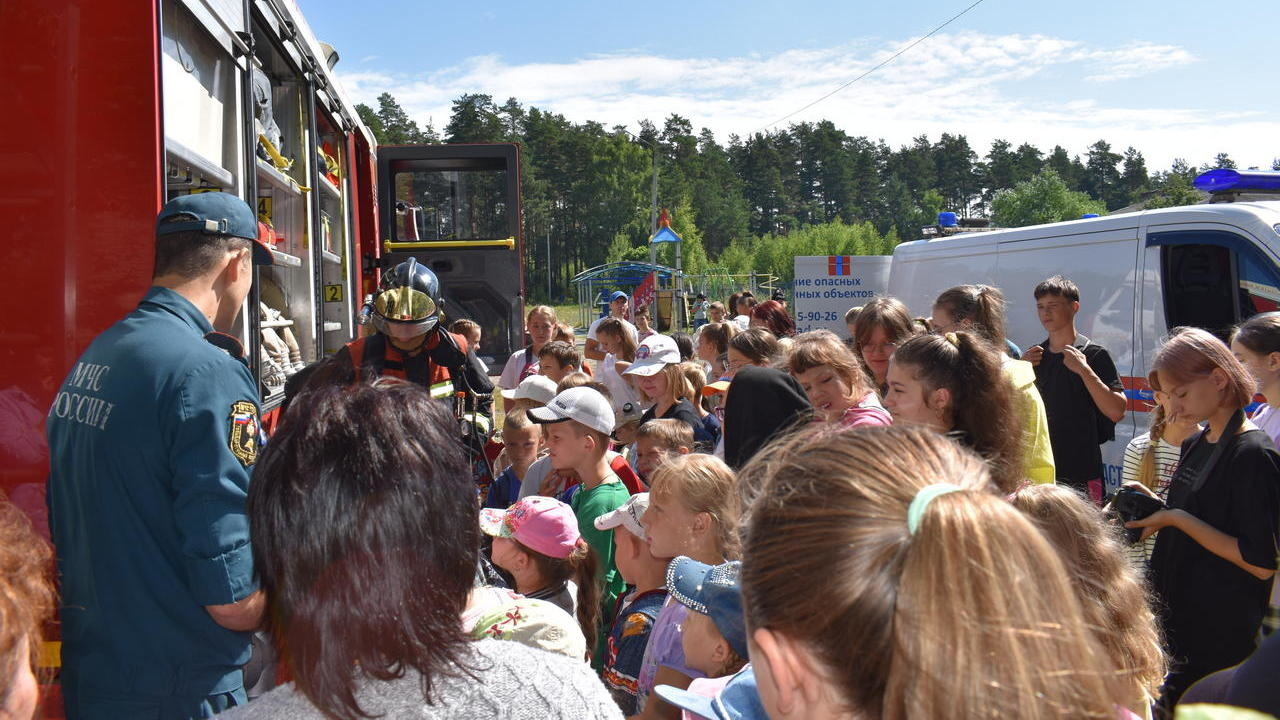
{"x":1214,"y":279}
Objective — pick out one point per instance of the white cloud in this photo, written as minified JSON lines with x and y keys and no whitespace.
{"x":965,"y":83}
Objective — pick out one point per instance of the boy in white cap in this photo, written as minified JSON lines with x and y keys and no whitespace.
{"x":631,"y":628}
{"x":576,"y":428}
{"x":533,"y":391}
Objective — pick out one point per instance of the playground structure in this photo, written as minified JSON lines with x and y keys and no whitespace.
{"x":675,"y":289}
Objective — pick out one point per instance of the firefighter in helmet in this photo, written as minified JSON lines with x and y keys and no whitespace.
{"x":411,"y":343}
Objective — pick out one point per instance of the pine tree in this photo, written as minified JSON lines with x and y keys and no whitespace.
{"x":1133,"y":177}
{"x":1102,"y":177}
{"x":397,"y":128}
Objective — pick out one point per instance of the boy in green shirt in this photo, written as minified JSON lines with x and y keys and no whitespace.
{"x":577,"y":426}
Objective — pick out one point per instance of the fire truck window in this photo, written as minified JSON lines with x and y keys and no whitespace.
{"x":450,"y":205}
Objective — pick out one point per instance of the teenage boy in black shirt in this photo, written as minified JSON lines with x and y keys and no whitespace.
{"x":1081,"y":389}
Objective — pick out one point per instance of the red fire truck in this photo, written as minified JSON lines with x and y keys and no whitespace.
{"x":112,"y":108}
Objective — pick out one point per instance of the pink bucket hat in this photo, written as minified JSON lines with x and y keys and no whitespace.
{"x":541,"y":524}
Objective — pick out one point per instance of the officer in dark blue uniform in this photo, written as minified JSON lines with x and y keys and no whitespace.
{"x":151,"y":438}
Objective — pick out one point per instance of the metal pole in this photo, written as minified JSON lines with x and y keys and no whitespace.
{"x":653,"y":208}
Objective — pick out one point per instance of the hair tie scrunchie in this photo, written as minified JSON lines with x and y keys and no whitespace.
{"x":951,"y":338}
{"x":921,"y":501}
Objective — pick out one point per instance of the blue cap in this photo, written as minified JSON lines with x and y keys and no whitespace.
{"x":738,"y":700}
{"x":215,"y":213}
{"x":711,"y":590}
{"x":616,"y":295}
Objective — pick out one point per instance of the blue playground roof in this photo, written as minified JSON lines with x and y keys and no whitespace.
{"x":624,"y":274}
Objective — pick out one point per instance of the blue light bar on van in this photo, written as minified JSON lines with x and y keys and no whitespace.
{"x":1224,"y":179}
{"x":1086,"y":216}
{"x":948,"y":219}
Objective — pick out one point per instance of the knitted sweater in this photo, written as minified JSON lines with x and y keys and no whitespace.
{"x":513,"y":682}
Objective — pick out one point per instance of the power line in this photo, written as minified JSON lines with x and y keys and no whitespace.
{"x":886,"y":61}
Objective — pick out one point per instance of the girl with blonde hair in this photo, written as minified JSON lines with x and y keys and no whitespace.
{"x":693,"y":511}
{"x":541,"y":324}
{"x":1111,"y":591}
{"x":1151,"y":458}
{"x":657,"y":373}
{"x":834,"y":381}
{"x":883,"y":578}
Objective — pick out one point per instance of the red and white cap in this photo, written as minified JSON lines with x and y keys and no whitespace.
{"x":655,"y":352}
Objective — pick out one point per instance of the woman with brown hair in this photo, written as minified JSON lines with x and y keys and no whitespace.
{"x":1215,"y":554}
{"x":953,"y":384}
{"x":883,"y":578}
{"x":26,"y":602}
{"x":1111,"y":590}
{"x":881,"y":326}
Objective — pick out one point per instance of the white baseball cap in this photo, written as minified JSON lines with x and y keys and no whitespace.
{"x":534,"y":387}
{"x":655,"y":352}
{"x":581,"y":404}
{"x":627,"y":515}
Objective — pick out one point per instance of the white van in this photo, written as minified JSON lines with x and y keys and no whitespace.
{"x":1139,"y":275}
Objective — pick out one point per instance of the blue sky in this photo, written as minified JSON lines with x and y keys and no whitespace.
{"x":1173,"y":78}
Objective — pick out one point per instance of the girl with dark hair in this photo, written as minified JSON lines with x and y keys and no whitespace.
{"x":772,"y":316}
{"x":979,"y":309}
{"x":881,"y":326}
{"x":953,"y":384}
{"x":1256,"y":344}
{"x":365,"y":540}
{"x":1215,"y":554}
{"x":537,"y":542}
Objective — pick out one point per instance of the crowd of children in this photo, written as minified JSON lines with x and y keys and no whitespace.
{"x":753,"y":523}
{"x":981,"y":418}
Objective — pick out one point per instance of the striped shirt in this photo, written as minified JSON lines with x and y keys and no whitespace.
{"x":1167,"y":456}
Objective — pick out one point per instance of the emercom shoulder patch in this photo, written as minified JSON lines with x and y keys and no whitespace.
{"x":242,"y":435}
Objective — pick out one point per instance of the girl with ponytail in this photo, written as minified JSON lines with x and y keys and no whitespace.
{"x":953,"y":384}
{"x":980,"y":309}
{"x":882,"y":578}
{"x":537,"y":542}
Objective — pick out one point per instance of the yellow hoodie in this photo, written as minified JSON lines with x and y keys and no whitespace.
{"x":1037,"y":452}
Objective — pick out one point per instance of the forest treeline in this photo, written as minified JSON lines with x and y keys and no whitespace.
{"x":755,"y":203}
